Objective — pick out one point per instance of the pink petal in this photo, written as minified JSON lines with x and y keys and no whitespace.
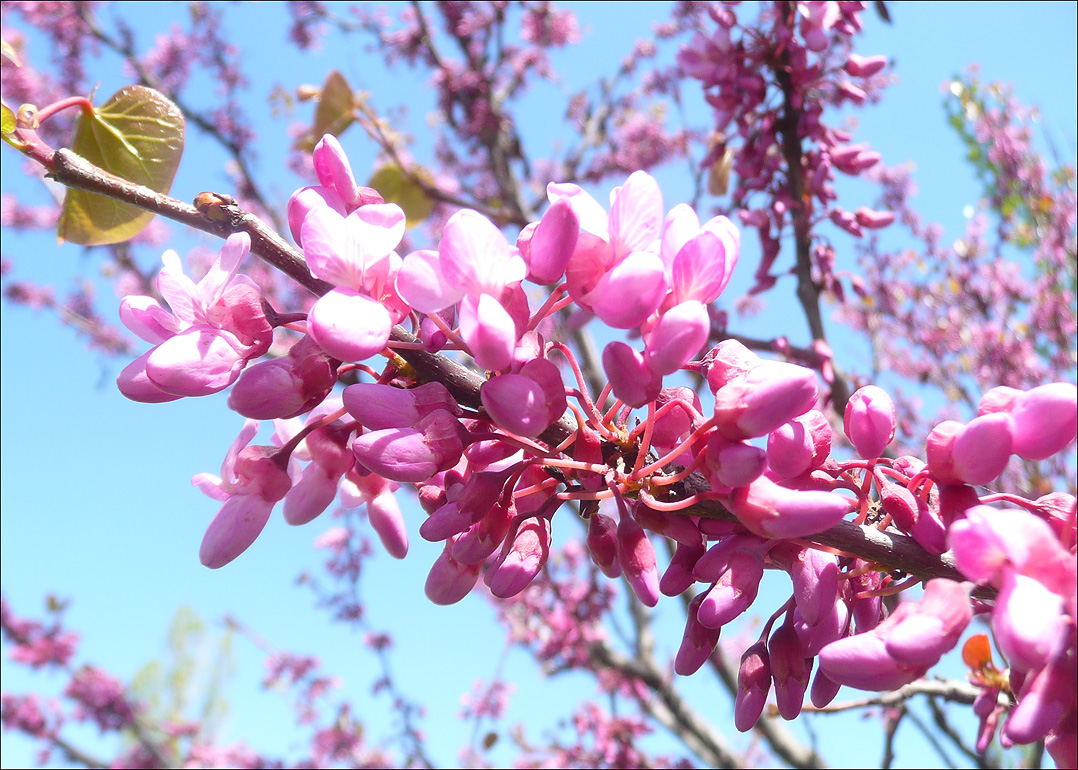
{"x":489,"y":331}
{"x":677,"y":337}
{"x":349,"y":326}
{"x":134,"y":384}
{"x":145,"y":317}
{"x":630,"y":291}
{"x":232,"y":531}
{"x":636,"y":215}
{"x":198,"y":362}
{"x":421,"y":284}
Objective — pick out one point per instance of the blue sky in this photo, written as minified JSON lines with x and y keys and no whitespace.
{"x":96,"y":501}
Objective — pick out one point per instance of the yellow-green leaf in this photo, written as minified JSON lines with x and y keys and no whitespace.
{"x":7,"y":119}
{"x":136,"y":135}
{"x":334,"y":113}
{"x":403,"y":189}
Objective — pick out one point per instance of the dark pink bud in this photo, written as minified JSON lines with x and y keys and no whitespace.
{"x":874,"y":220}
{"x":789,"y":670}
{"x":310,"y":496}
{"x":485,"y":536}
{"x":769,"y":510}
{"x":735,"y":590}
{"x":235,"y":527}
{"x":384,"y":514}
{"x":603,"y":544}
{"x":846,"y":221}
{"x":523,"y":554}
{"x":815,"y":580}
{"x":678,"y":576}
{"x":449,"y":581}
{"x":753,"y":685}
{"x":734,"y":464}
{"x":869,"y":421}
{"x":526,"y":403}
{"x":824,"y":689}
{"x":677,"y":336}
{"x":636,"y":555}
{"x":446,"y":521}
{"x":697,"y":643}
{"x":378,"y":407}
{"x":833,"y":624}
{"x":800,"y":445}
{"x":412,"y":454}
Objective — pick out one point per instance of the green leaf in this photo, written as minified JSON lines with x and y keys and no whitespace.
{"x":335,"y":111}
{"x":136,"y":135}
{"x":403,"y":189}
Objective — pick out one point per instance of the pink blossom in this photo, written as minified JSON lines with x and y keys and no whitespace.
{"x":215,"y":327}
{"x":476,"y":266}
{"x":905,"y":645}
{"x":615,"y":270}
{"x":252,"y":481}
{"x":355,"y":253}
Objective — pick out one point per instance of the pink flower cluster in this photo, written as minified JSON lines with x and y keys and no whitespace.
{"x":737,"y":485}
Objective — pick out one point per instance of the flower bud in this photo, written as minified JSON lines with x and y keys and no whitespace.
{"x":869,"y":421}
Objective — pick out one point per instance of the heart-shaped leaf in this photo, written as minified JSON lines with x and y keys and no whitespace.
{"x":395,"y":186}
{"x":136,"y":135}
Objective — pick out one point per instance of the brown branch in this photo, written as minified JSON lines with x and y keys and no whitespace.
{"x":808,"y":292}
{"x":958,"y":692}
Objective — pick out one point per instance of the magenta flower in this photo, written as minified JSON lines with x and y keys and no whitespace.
{"x":524,"y":553}
{"x":475,"y":266}
{"x":215,"y":327}
{"x":355,"y":254}
{"x":252,"y":481}
{"x":287,"y":386}
{"x":412,"y":454}
{"x":904,"y":646}
{"x":615,"y":270}
{"x":770,"y":510}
